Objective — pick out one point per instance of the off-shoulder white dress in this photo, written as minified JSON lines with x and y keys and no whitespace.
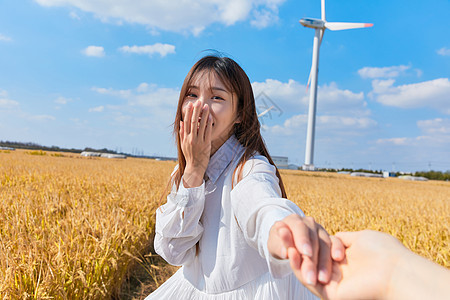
{"x":231,"y":227}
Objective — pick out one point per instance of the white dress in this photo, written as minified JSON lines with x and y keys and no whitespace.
{"x":231,"y":227}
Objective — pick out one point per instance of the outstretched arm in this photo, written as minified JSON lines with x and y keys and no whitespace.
{"x":378,"y":266}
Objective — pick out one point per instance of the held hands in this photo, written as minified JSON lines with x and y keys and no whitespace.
{"x":195,"y":137}
{"x":378,"y":266}
{"x":308,"y":246}
{"x":371,"y":258}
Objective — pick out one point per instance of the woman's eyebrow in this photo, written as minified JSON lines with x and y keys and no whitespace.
{"x":219,"y":89}
{"x":215,"y":88}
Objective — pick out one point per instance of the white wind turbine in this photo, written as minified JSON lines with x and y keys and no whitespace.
{"x":319,"y":25}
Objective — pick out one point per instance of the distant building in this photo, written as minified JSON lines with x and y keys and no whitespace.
{"x":292,"y":167}
{"x":90,"y":154}
{"x":387,"y":174}
{"x":105,"y":155}
{"x":413,"y":178}
{"x":363,"y":174}
{"x":7,"y":148}
{"x":110,"y":155}
{"x":281,"y":162}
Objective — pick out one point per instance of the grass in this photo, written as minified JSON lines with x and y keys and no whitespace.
{"x":79,"y":228}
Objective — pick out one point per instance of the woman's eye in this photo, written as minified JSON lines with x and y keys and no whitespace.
{"x":191,"y":95}
{"x":217,"y":98}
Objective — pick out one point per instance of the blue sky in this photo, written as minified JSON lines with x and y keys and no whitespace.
{"x":91,"y":73}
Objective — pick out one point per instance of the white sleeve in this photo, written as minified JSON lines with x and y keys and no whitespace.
{"x":257,"y":205}
{"x":178,"y":226}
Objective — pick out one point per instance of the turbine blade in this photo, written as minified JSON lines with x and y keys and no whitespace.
{"x":323,"y":10}
{"x":343,"y":26}
{"x":309,"y":80}
{"x":266,"y":111}
{"x":322,"y":32}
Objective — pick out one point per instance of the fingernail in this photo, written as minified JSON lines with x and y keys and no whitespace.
{"x":307,"y":250}
{"x":283,"y":252}
{"x":322,"y":275}
{"x":310,"y":278}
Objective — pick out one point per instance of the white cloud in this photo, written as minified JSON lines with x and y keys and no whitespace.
{"x":178,"y":15}
{"x":443,"y":51}
{"x":161,"y":49}
{"x":147,"y":110}
{"x":95,"y":51}
{"x":147,"y":95}
{"x":143,"y":87}
{"x":100,"y":108}
{"x":74,"y":15}
{"x":283,"y":94}
{"x":234,"y":10}
{"x":385,"y":72}
{"x":436,"y":126}
{"x":431,"y":145}
{"x":418,"y":72}
{"x":5,"y":38}
{"x":42,"y":118}
{"x":434,"y":93}
{"x":6,"y":103}
{"x":292,"y":96}
{"x":326,"y":124}
{"x":62,"y":100}
{"x":395,"y":141}
{"x":263,"y":18}
{"x":109,"y":91}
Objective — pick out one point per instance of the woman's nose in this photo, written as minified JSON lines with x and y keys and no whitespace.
{"x":202,"y":100}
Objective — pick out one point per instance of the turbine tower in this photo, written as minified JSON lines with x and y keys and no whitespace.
{"x":319,"y":25}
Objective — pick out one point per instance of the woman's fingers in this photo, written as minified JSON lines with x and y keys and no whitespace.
{"x":309,"y":264}
{"x":324,"y":258}
{"x":208,"y":129}
{"x":203,"y":121}
{"x":192,"y":125}
{"x":181,"y":132}
{"x":194,"y":119}
{"x":310,"y":248}
{"x":187,"y":118}
{"x":279,"y":240}
{"x":300,"y":232}
{"x":295,"y":260}
{"x":287,"y":240}
{"x":305,"y":242}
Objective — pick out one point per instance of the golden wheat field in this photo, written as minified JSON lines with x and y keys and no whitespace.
{"x":78,"y":228}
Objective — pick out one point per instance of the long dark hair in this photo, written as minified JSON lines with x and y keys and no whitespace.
{"x":247,"y":130}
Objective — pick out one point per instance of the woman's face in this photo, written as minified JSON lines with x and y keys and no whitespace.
{"x":207,"y":88}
